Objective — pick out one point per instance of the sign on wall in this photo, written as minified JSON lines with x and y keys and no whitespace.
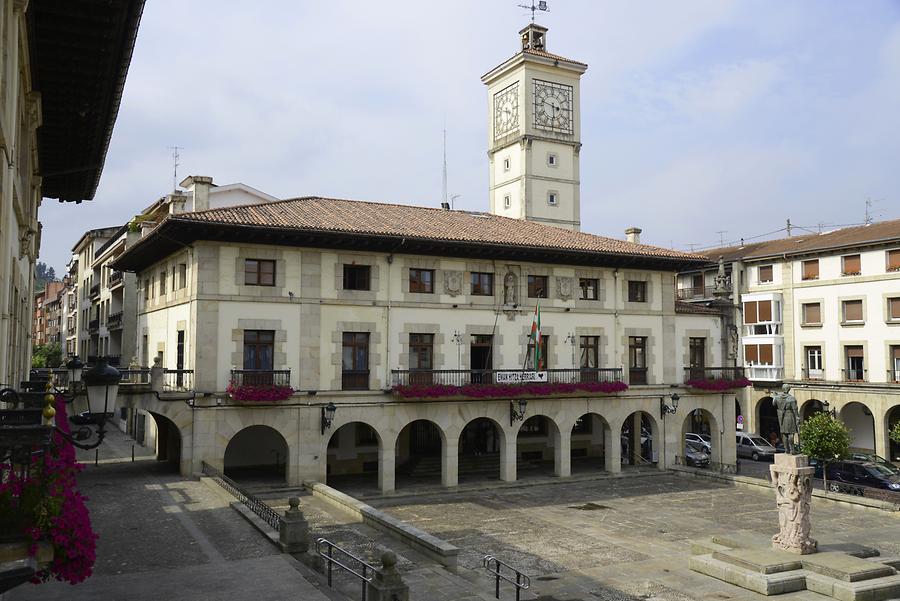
{"x":520,"y":377}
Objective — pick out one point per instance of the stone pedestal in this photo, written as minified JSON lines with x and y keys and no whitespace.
{"x":387,"y":585}
{"x":792,"y":479}
{"x":293,"y":533}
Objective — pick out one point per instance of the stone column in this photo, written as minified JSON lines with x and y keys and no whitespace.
{"x":387,"y":585}
{"x":612,"y":451}
{"x":562,"y":455}
{"x":293,"y":532}
{"x":882,"y":441}
{"x":386,"y":461}
{"x":508,"y":458}
{"x":791,"y":477}
{"x":635,"y":458}
{"x":450,"y":462}
{"x":157,"y":376}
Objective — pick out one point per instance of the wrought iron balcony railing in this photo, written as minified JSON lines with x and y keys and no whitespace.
{"x":699,"y":292}
{"x":114,"y":320}
{"x":115,"y":278}
{"x":713,"y":373}
{"x":94,"y":326}
{"x":95,"y":290}
{"x":813,"y":374}
{"x":893,"y":375}
{"x":464,"y":377}
{"x":260,"y":377}
{"x":355,"y":379}
{"x":178,"y":379}
{"x":854,"y":375}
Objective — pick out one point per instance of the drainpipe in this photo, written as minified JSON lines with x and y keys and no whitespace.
{"x":616,"y":319}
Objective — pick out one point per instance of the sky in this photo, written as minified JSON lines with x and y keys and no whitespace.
{"x":702,"y":120}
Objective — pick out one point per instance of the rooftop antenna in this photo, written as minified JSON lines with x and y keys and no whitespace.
{"x":540,"y":6}
{"x":722,"y":237}
{"x":175,"y":163}
{"x":870,"y":218}
{"x":789,"y":227}
{"x":445,"y":203}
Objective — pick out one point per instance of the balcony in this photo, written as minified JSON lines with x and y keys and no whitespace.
{"x":273,"y":378}
{"x":114,"y":321}
{"x":115,"y":278}
{"x":700,"y":292}
{"x":94,"y":326}
{"x":765,"y":373}
{"x":813,"y":375}
{"x":179,"y":379}
{"x":854,"y":375}
{"x":715,"y":378}
{"x":637,"y":376}
{"x":355,"y":379}
{"x":495,"y":383}
{"x":95,"y":291}
{"x":893,"y":376}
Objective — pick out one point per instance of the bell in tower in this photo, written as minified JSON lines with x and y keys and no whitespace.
{"x":534,"y":37}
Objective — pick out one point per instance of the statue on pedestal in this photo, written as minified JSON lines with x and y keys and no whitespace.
{"x":791,"y":476}
{"x":788,"y":418}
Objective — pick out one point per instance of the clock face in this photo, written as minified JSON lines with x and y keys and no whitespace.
{"x":553,"y":106}
{"x":506,"y":110}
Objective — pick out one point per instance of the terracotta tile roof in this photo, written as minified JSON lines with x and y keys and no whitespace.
{"x":374,"y":218}
{"x":861,"y":235}
{"x":695,"y":308}
{"x":540,"y":53}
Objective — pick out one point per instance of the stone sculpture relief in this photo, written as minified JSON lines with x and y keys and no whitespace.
{"x":564,"y":287}
{"x":510,"y":294}
{"x":793,"y":492}
{"x":453,"y":282}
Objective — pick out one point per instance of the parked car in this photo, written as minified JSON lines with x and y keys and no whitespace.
{"x":861,"y":473}
{"x":695,"y":455}
{"x":86,"y":417}
{"x":754,"y":446}
{"x":873,"y":458}
{"x":704,"y":440}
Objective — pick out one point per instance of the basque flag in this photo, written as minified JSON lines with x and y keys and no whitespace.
{"x":536,"y":338}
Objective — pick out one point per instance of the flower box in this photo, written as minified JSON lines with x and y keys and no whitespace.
{"x":718,"y":385}
{"x":506,"y":391}
{"x":259,"y":394}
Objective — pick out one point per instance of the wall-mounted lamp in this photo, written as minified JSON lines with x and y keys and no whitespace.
{"x":665,"y":408}
{"x":328,"y":416}
{"x":825,"y":408}
{"x":517,"y":415}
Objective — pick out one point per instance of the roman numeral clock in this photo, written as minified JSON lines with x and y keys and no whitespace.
{"x":553,"y":106}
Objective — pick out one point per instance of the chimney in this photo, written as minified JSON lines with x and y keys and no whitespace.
{"x":633,"y":234}
{"x":198,"y":186}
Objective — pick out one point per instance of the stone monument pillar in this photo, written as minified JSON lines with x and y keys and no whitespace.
{"x":791,"y":477}
{"x":387,"y":584}
{"x":293,"y":534}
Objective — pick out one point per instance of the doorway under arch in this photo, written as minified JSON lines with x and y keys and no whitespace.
{"x":257,"y":453}
{"x":536,"y":440}
{"x":767,"y":419}
{"x":418,"y":455}
{"x":352,"y":458}
{"x":810,"y":408}
{"x":640,"y":440}
{"x":590,"y":436}
{"x":702,"y":424}
{"x":859,"y":420}
{"x":168,"y":440}
{"x":479,"y":450}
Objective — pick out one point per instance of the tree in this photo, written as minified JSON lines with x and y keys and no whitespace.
{"x":825,"y":438}
{"x":46,"y":355}
{"x":42,"y":275}
{"x":895,"y":433}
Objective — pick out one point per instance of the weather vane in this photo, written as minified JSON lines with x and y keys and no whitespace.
{"x":540,"y":6}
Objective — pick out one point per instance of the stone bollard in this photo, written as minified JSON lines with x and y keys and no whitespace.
{"x":157,"y":376}
{"x":791,"y":477}
{"x":387,"y":585}
{"x":293,"y":533}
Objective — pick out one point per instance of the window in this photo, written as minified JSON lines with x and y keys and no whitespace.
{"x":146,"y":290}
{"x":542,"y":362}
{"x":590,"y":352}
{"x":357,"y":277}
{"x":637,"y":292}
{"x":162,"y":282}
{"x":757,"y":311}
{"x":637,"y":360}
{"x":894,"y":309}
{"x":552,"y":198}
{"x":764,"y":274}
{"x":258,"y":272}
{"x":537,"y":286}
{"x":421,"y":351}
{"x":810,"y":270}
{"x":814,"y":363}
{"x":697,"y":353}
{"x":506,"y":164}
{"x":259,"y":349}
{"x":482,"y":283}
{"x":551,"y":160}
{"x":355,"y":361}
{"x":589,"y":288}
{"x":421,"y":280}
{"x":852,"y":311}
{"x":812,"y":314}
{"x":894,"y":373}
{"x":893,"y":260}
{"x":854,"y":364}
{"x":507,"y":202}
{"x":182,"y":275}
{"x":850,"y":265}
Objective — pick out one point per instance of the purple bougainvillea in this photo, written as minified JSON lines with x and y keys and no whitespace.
{"x":511,"y":391}
{"x":718,"y":385}
{"x":259,"y":394}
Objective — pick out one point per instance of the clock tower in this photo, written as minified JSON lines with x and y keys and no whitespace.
{"x":534,"y":134}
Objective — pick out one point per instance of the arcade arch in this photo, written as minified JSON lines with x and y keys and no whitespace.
{"x":859,"y":420}
{"x":480,"y":445}
{"x":352,"y":456}
{"x":168,"y":440}
{"x":639,"y":439}
{"x":536,"y":441}
{"x":766,"y":418}
{"x":589,"y":446}
{"x":419,"y":449}
{"x":703,"y":423}
{"x":893,"y":418}
{"x":257,"y":453}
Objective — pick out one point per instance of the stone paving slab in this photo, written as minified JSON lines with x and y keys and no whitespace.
{"x":845,"y":567}
{"x":761,"y":561}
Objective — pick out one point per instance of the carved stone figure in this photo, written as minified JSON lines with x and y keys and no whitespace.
{"x":564,"y":287}
{"x":788,"y":417}
{"x":453,"y":282}
{"x":510,"y":296}
{"x":791,"y":476}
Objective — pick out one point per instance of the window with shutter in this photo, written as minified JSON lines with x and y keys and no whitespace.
{"x":850,"y":265}
{"x":765,"y":274}
{"x":751,"y":353}
{"x":750,"y":312}
{"x":811,"y":270}
{"x":893,"y":260}
{"x":766,"y":354}
{"x":894,"y":308}
{"x":812,"y":314}
{"x":853,"y":310}
{"x":765,"y":310}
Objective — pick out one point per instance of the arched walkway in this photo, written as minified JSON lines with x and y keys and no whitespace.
{"x":168,"y":440}
{"x":893,"y":418}
{"x":480,"y":444}
{"x":536,"y":440}
{"x":701,"y":423}
{"x":858,"y":419}
{"x":353,"y":458}
{"x":810,"y":408}
{"x":418,"y":454}
{"x":640,"y":439}
{"x":590,"y":436}
{"x":257,"y":453}
{"x":767,"y":418}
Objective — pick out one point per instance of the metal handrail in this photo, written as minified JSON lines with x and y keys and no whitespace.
{"x":521,"y":582}
{"x":328,"y":556}
{"x":257,"y":506}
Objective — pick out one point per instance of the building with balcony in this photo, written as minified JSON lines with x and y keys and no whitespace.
{"x":821,"y":312}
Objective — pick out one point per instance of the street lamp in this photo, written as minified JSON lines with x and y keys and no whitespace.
{"x":328,"y":416}
{"x":517,"y":415}
{"x":664,"y":408}
{"x":825,"y":408}
{"x":101,"y":383}
{"x":75,"y":367}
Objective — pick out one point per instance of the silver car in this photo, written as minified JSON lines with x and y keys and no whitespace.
{"x":754,"y":446}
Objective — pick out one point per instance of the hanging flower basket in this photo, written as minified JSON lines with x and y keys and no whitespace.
{"x":508,"y":391}
{"x":259,"y":394}
{"x":718,"y":385}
